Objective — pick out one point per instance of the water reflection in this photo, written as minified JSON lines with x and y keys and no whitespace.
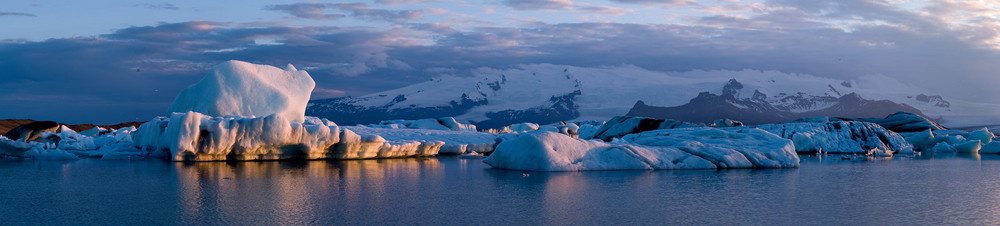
{"x":826,"y":189}
{"x":619,"y":197}
{"x":285,"y":192}
{"x":842,"y":158}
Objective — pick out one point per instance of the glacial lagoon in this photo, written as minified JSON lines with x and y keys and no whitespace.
{"x":449,"y":190}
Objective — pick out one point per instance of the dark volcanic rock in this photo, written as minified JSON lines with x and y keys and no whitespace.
{"x":7,"y":125}
{"x":31,"y":131}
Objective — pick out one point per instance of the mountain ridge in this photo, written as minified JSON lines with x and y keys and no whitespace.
{"x":548,"y":93}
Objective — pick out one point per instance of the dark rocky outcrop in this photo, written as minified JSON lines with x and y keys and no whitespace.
{"x":8,"y":125}
{"x":31,"y":131}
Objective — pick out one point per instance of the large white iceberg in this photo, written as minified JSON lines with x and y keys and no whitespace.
{"x":689,"y":148}
{"x":193,"y":136}
{"x":245,"y":89}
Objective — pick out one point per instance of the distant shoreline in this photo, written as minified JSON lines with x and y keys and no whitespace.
{"x":8,"y":124}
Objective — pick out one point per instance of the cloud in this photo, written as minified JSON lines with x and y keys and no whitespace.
{"x":16,"y":14}
{"x":321,"y":93}
{"x":603,"y":10}
{"x":365,"y":12}
{"x":361,"y":11}
{"x":158,"y":6}
{"x":138,"y":70}
{"x":653,"y":2}
{"x":400,"y":2}
{"x":315,"y":11}
{"x":537,"y":4}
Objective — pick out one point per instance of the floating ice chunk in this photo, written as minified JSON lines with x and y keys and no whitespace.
{"x":192,"y":136}
{"x":880,"y":152}
{"x":942,"y":147}
{"x":10,"y":147}
{"x":245,"y":89}
{"x":761,"y":148}
{"x":449,"y":142}
{"x":990,"y":148}
{"x":905,"y":122}
{"x":983,"y":135}
{"x":587,"y":130}
{"x":50,"y":154}
{"x":726,"y":123}
{"x":523,"y":127}
{"x":444,"y":123}
{"x":692,"y":148}
{"x":621,"y":125}
{"x":839,"y":137}
{"x":971,"y":146}
{"x":920,"y":140}
{"x":471,"y":155}
{"x":93,"y":132}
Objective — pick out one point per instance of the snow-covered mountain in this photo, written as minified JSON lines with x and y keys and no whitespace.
{"x":545,"y":93}
{"x":762,"y":109}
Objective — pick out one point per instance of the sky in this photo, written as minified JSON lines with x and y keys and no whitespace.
{"x":116,"y":61}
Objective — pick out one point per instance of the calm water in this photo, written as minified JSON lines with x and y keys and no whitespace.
{"x":449,"y":190}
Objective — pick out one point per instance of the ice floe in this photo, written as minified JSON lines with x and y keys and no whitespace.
{"x":687,"y":148}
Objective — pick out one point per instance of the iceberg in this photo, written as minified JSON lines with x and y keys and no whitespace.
{"x":68,"y":144}
{"x":245,"y":89}
{"x":621,"y":125}
{"x":687,"y":148}
{"x":978,"y":141}
{"x":452,"y":142}
{"x":192,"y":136}
{"x":443,"y":123}
{"x":846,"y":137}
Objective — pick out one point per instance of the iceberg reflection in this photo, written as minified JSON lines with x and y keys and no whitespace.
{"x":285,"y":192}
